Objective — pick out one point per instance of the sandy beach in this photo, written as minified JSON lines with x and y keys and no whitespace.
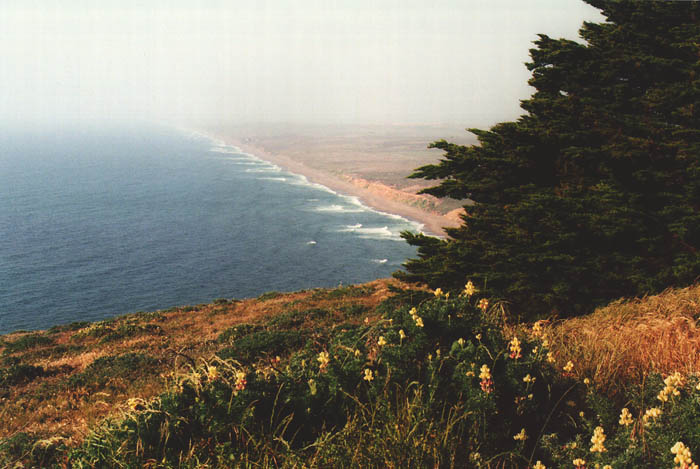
{"x":368,"y":163}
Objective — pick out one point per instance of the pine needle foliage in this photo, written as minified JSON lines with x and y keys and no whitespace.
{"x":593,"y":193}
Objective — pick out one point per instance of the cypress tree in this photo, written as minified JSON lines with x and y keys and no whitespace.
{"x":594,"y":192}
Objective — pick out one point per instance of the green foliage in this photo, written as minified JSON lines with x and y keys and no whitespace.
{"x":353,"y":310}
{"x":250,"y":347}
{"x":73,"y":326}
{"x":129,"y":366}
{"x":350,"y":291}
{"x":236,"y":332}
{"x":592,"y":194}
{"x":18,"y":373}
{"x":426,"y":404}
{"x":112,"y":330}
{"x":27,"y":342}
{"x":271,"y":295}
{"x":294,"y":319}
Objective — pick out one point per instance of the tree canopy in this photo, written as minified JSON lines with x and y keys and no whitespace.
{"x":594,"y":192}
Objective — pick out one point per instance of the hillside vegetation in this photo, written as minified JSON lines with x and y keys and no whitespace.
{"x":358,"y":376}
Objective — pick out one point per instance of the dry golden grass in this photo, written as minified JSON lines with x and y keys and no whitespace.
{"x":624,"y":341}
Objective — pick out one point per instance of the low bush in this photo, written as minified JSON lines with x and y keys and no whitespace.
{"x":27,"y":342}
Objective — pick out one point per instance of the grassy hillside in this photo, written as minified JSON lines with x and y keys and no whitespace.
{"x":373,"y":375}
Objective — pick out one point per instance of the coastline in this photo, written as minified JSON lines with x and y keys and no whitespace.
{"x":373,"y":194}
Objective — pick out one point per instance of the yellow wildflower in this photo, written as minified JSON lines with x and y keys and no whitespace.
{"x":683,"y":457}
{"x":672,"y":383}
{"x":212,"y":373}
{"x":652,"y":413}
{"x":240,"y":380}
{"x":485,"y":376}
{"x":586,"y":381}
{"x":569,"y":366}
{"x":357,"y":353}
{"x":460,"y":341}
{"x":521,"y":436}
{"x":539,"y":465}
{"x":402,"y":334}
{"x":419,"y":321}
{"x":483,"y":304}
{"x":478,"y":337}
{"x":537,"y":329}
{"x":626,"y":418}
{"x":515,"y":350}
{"x":550,"y":357}
{"x":324,"y":359}
{"x":438,"y":292}
{"x":368,"y":375}
{"x":381,"y":342}
{"x":578,"y":462}
{"x":528,"y":379}
{"x":485,"y":372}
{"x":470,"y":289}
{"x":598,"y":439}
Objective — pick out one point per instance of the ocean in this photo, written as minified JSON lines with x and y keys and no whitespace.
{"x":101,"y":222}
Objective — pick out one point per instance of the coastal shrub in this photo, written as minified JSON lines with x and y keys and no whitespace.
{"x":592,"y":194}
{"x":18,"y":373}
{"x":351,"y":291}
{"x":129,"y":366}
{"x":271,"y":295}
{"x":73,"y":326}
{"x":294,"y":319}
{"x":236,"y":332}
{"x":442,"y":377}
{"x":27,"y":342}
{"x":129,"y":330}
{"x":263,"y":344}
{"x":353,"y":310}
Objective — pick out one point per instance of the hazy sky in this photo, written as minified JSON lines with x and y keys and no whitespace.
{"x":350,"y":61}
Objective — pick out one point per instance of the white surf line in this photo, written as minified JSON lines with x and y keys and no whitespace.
{"x":355,"y":200}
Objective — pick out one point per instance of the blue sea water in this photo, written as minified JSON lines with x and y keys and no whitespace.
{"x":99,"y":222}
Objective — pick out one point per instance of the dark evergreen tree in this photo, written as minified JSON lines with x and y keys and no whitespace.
{"x":594,"y":193}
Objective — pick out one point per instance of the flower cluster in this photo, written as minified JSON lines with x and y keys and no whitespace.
{"x":579,"y":463}
{"x":324,"y":359}
{"x":515,"y":350}
{"x":417,"y":319}
{"x":568,"y":367}
{"x":212,"y":373}
{"x":652,"y":413}
{"x":469,"y":289}
{"x":672,"y":383}
{"x":240,"y":380}
{"x":368,"y":375}
{"x":626,"y":418}
{"x":683,"y":458}
{"x":537,"y":329}
{"x":598,"y":439}
{"x":521,"y":436}
{"x":486,"y":381}
{"x":483,"y":304}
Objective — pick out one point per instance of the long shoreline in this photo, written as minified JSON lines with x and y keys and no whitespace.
{"x":432,"y":223}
